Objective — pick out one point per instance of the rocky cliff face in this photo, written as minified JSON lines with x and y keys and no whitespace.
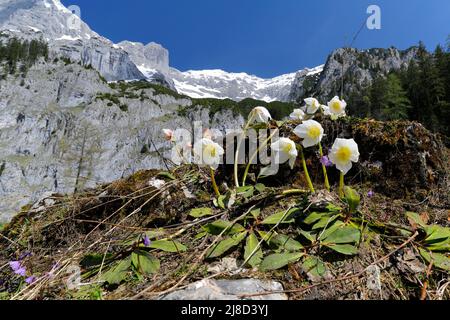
{"x":359,"y":68}
{"x":147,"y":57}
{"x":64,"y":129}
{"x":67,"y":35}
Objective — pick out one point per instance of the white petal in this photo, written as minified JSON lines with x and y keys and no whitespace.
{"x":344,"y":167}
{"x":310,"y":101}
{"x":308,"y":142}
{"x":312,"y":109}
{"x":276,"y":145}
{"x":292,"y":162}
{"x":281,"y":157}
{"x":293,"y":153}
{"x":301,"y":131}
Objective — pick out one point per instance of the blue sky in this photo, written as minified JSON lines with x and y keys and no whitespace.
{"x":263,"y":37}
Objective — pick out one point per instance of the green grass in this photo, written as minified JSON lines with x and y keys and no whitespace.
{"x":108,"y":97}
{"x":130,"y":88}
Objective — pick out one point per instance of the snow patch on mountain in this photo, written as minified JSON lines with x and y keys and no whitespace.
{"x":236,"y":86}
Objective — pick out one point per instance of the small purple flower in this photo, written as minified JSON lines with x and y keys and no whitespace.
{"x":326,"y":162}
{"x":18,"y":269}
{"x":370,"y":194}
{"x":147,"y":241}
{"x":30,"y":280}
{"x":21,"y":272}
{"x":15,"y":265}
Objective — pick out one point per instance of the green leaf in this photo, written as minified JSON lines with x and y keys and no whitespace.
{"x":325,"y":222}
{"x":246,"y":191}
{"x":289,"y":217}
{"x":333,"y":208}
{"x":118,"y":273}
{"x":314,"y":266}
{"x":250,"y":247}
{"x":415,"y":218}
{"x":168,"y":246}
{"x":279,"y":260}
{"x":346,"y":249}
{"x":243,"y":189}
{"x":260,"y":187}
{"x":216,"y":227}
{"x":315,"y":216}
{"x":165,"y":174}
{"x":226,"y":201}
{"x":439,"y":246}
{"x":144,"y":262}
{"x":200,"y":235}
{"x":221,"y":201}
{"x":352,"y":198}
{"x":94,"y":259}
{"x":343,"y":235}
{"x":310,"y":236}
{"x":223,"y":246}
{"x":284,"y":242}
{"x":439,"y":260}
{"x":201,"y":212}
{"x":255,"y":213}
{"x":325,"y":233}
{"x":436,"y":233}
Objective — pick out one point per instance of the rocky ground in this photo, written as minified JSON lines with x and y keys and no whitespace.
{"x":154,"y":234}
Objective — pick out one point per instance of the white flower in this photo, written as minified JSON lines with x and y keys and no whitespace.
{"x":260,"y":115}
{"x":297,"y":114}
{"x":169,"y":135}
{"x":312,"y":105}
{"x":336,"y":108}
{"x":208,"y":134}
{"x":343,"y":153}
{"x":311,"y":131}
{"x":208,"y":153}
{"x":325,"y":110}
{"x":285,"y":150}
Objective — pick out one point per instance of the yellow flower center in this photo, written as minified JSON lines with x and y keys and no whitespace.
{"x":211,"y":150}
{"x":314,"y":132}
{"x":287,"y":148}
{"x":336,"y":106}
{"x":344,"y":154}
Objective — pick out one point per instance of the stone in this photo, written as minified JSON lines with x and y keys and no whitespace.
{"x":228,"y":290}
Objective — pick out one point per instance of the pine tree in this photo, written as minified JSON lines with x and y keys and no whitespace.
{"x":395,"y":103}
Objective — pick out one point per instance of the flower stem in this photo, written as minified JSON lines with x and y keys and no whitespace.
{"x":341,"y":185}
{"x":236,"y":157}
{"x":324,"y":169}
{"x":213,"y":180}
{"x":305,"y":169}
{"x":244,"y":179}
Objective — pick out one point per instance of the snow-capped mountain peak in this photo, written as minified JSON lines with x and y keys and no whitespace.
{"x":220,"y":84}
